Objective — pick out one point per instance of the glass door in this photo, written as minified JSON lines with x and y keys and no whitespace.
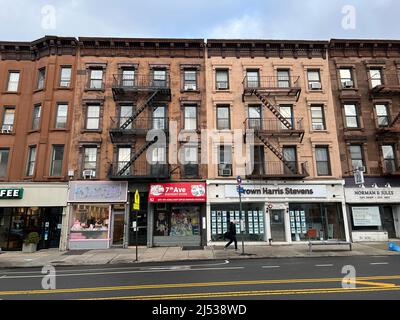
{"x":118,"y":228}
{"x":388,"y":222}
{"x":277,"y":222}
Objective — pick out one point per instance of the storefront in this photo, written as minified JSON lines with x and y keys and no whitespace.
{"x":374,"y":212}
{"x":177,"y":214}
{"x":278,"y":212}
{"x":32,"y":207}
{"x":97,"y":214}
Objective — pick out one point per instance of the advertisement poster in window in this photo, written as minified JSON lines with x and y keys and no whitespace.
{"x":161,"y":224}
{"x":185,"y":222}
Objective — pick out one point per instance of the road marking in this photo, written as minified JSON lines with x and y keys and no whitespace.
{"x":111,"y":269}
{"x":270,"y":267}
{"x":378,"y":263}
{"x":190,"y":285}
{"x":324,"y":265}
{"x":374,"y":284}
{"x":122,"y":272}
{"x":249,"y":293}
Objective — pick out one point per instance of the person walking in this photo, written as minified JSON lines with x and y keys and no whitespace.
{"x":231,"y":235}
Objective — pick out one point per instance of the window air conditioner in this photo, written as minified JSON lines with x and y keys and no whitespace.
{"x":349,"y":84}
{"x":190,"y":87}
{"x":315,"y":86}
{"x":89,"y":174}
{"x":225,"y":170}
{"x":318,"y":126}
{"x":222,"y":85}
{"x":6,"y":129}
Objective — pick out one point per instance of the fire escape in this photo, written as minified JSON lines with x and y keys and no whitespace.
{"x":388,"y":131}
{"x":269,"y":130}
{"x":146,"y":92}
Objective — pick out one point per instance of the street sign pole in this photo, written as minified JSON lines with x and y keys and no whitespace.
{"x":240,"y":189}
{"x":136,"y":209}
{"x":136,"y":236}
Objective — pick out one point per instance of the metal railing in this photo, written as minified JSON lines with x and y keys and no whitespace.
{"x":278,"y":168}
{"x":139,"y":169}
{"x":140,"y":123}
{"x":273,"y":124}
{"x":291,"y":82}
{"x":141,"y":81}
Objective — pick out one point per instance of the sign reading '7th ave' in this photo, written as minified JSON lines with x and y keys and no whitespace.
{"x":6,"y":194}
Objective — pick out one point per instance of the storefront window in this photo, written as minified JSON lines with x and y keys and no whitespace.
{"x":316,"y":222}
{"x":90,"y":222}
{"x":253,"y":215}
{"x":179,"y":221}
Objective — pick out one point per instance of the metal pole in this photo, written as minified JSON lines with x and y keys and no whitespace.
{"x":136,"y":236}
{"x":241,"y":215}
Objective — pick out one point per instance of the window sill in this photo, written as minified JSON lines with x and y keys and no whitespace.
{"x":91,"y":131}
{"x":38,"y":90}
{"x":7,"y":134}
{"x":94,"y":90}
{"x":54,"y":177}
{"x":33,"y":131}
{"x":12,"y":92}
{"x":349,"y":89}
{"x":190,"y":91}
{"x":65,"y":88}
{"x":319,"y":131}
{"x":222,"y":91}
{"x":353,"y":129}
{"x":58,"y":129}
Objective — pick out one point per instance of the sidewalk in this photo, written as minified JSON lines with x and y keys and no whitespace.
{"x":121,"y":256}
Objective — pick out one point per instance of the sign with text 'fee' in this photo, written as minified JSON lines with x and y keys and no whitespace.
{"x":7,"y":194}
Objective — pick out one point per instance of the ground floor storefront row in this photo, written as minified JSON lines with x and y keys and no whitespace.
{"x":85,"y":215}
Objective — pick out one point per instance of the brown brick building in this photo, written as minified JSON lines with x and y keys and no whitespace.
{"x":36,"y":104}
{"x":365,"y":76}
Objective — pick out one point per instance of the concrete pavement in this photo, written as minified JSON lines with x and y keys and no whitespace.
{"x":121,"y":256}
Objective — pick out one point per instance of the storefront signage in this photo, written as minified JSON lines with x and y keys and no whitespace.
{"x":6,"y":194}
{"x":287,"y":191}
{"x":366,"y":216}
{"x":98,"y":192}
{"x":178,"y":192}
{"x":372,"y":195}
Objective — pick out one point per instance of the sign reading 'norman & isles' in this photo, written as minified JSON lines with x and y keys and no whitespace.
{"x":6,"y":194}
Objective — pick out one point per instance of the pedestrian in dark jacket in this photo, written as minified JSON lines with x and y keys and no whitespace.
{"x":231,"y":235}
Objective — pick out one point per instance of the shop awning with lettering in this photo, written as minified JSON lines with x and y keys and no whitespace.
{"x":177,"y":192}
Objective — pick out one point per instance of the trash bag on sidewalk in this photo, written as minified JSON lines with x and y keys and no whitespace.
{"x":394,"y":247}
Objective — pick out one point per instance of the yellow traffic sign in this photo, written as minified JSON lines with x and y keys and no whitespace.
{"x":136,"y":204}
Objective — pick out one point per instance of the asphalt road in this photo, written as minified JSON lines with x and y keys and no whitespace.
{"x":253,"y":279}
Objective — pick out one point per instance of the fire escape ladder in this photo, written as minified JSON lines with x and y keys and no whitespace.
{"x":273,"y":109}
{"x":276,"y":151}
{"x":137,"y":155}
{"x":139,"y":111}
{"x":395,"y":120}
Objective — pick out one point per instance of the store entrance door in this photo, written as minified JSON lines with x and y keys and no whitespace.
{"x":388,"y":222}
{"x":277,"y":222}
{"x":51,"y":220}
{"x":118,"y":223}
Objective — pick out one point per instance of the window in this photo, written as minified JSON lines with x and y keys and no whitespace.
{"x":290,"y":156}
{"x":128,"y":77}
{"x":351,"y":115}
{"x":65,"y":79}
{"x":382,"y":115}
{"x":318,"y":118}
{"x":258,"y":161}
{"x":96,"y":79}
{"x":287,"y":112}
{"x":375,"y":75}
{"x":8,"y":120}
{"x":160,"y":78}
{"x":90,"y":158}
{"x":4,"y":162}
{"x":225,"y":160}
{"x":13,"y":81}
{"x":159,"y":120}
{"x":189,"y":79}
{"x":37,"y":110}
{"x":93,"y":117}
{"x":283,"y":79}
{"x":30,"y":167}
{"x":191,"y":168}
{"x":123,"y":157}
{"x":57,"y":161}
{"x":222,"y":79}
{"x":223,"y":118}
{"x":356,"y":156}
{"x":41,"y":78}
{"x":190,"y":114}
{"x":346,"y":78}
{"x":254,"y":117}
{"x":253,"y":78}
{"x":126,"y":112}
{"x":62,"y":114}
{"x":314,"y":79}
{"x":322,"y":158}
{"x":158,"y":155}
{"x":389,"y":160}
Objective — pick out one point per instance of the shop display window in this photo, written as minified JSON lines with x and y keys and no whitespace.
{"x":90,"y":222}
{"x":316,"y":221}
{"x":253,"y":215}
{"x":178,"y":221}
